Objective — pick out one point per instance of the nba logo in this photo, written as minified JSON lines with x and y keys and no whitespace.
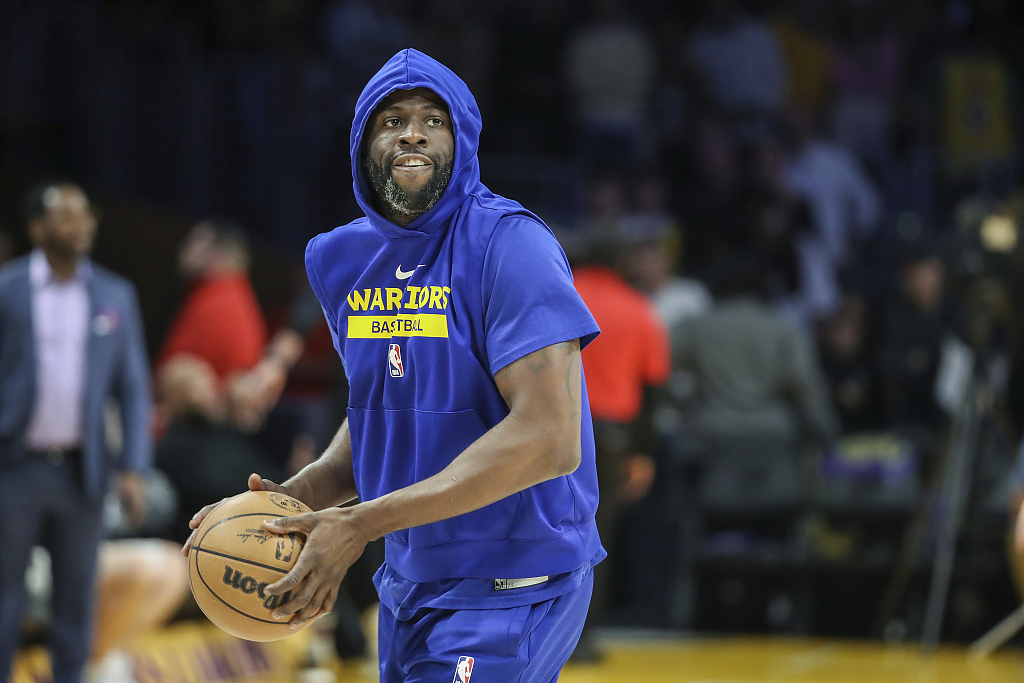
{"x":463,"y":670}
{"x":395,"y":363}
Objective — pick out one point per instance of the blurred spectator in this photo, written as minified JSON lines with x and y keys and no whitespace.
{"x":710,"y":205}
{"x":220,"y":320}
{"x":800,"y":277}
{"x":918,"y":322}
{"x":221,"y":323}
{"x":611,"y":65}
{"x":650,"y":260}
{"x":141,"y":583}
{"x":802,"y":30}
{"x":208,"y":459}
{"x":205,"y":458}
{"x":800,"y":274}
{"x":866,"y":76}
{"x":757,"y":375}
{"x":737,"y":57}
{"x":622,"y":374}
{"x":844,"y":203}
{"x":848,"y":360}
{"x":760,"y":396}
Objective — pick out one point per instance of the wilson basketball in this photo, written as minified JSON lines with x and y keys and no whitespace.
{"x":234,"y":558}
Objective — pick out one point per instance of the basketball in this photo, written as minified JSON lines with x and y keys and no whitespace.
{"x":234,"y":558}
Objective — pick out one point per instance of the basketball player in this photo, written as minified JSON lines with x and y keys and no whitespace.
{"x":469,"y":437}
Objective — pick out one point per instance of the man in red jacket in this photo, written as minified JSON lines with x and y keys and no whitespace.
{"x":221,"y":323}
{"x":622,"y":366}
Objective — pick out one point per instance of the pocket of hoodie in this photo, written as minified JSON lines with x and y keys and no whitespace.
{"x":388,"y":438}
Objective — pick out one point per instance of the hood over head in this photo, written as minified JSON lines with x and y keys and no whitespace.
{"x":407,"y":70}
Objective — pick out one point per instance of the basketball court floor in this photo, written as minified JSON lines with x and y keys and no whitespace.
{"x":764,"y":660}
{"x":201,"y":653}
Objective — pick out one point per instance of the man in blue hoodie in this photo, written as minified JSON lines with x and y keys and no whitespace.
{"x":469,"y":439}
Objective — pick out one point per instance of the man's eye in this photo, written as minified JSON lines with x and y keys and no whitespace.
{"x":392,"y":122}
{"x":436,"y":121}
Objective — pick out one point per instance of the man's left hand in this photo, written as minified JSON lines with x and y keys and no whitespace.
{"x":334,"y":541}
{"x":131,"y":490}
{"x":637,"y":477}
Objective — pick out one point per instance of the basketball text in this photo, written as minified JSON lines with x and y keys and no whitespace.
{"x":249,"y":585}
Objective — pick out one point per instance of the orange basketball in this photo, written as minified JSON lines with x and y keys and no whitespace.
{"x":234,"y":558}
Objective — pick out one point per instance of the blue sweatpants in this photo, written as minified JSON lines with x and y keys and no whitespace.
{"x":527,"y":644}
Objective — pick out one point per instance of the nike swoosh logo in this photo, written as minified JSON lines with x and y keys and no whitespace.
{"x":402,"y":275}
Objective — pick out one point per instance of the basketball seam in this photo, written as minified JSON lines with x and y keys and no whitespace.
{"x":199,"y":542}
{"x":247,"y":514}
{"x":242,"y":559}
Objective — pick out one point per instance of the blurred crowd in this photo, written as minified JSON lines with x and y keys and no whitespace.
{"x":796,"y":221}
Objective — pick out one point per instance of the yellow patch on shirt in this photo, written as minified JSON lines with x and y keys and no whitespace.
{"x":402,"y":325}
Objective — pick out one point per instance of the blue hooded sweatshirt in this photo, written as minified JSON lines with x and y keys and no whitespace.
{"x":488,"y":285}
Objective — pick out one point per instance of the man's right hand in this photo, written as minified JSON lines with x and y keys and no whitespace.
{"x":256,"y":483}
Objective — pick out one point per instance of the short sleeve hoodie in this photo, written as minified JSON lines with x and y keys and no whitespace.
{"x":423,"y":316}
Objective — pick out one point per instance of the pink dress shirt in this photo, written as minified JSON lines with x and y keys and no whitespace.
{"x":60,"y":326}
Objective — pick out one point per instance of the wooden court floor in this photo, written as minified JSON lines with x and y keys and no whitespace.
{"x":191,"y":653}
{"x":766,"y":660}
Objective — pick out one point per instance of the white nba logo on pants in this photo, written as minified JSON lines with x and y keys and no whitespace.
{"x":463,"y":670}
{"x":395,"y":361}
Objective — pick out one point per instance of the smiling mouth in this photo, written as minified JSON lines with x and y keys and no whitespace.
{"x":411,"y":161}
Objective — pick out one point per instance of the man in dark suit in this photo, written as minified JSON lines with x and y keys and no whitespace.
{"x":70,"y":340}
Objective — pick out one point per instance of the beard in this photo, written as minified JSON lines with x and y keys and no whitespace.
{"x":409,"y":205}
